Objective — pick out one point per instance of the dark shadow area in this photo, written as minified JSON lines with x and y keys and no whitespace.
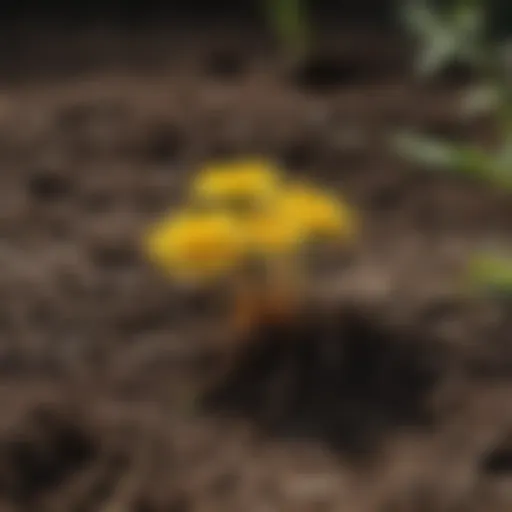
{"x":323,"y":74}
{"x":499,"y":461}
{"x":41,"y":453}
{"x":249,"y":12}
{"x":345,"y":385}
{"x":48,"y":185}
{"x":138,"y":13}
{"x":326,"y":72}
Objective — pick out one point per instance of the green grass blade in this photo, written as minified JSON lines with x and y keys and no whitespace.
{"x":435,"y":154}
{"x":490,"y":273}
{"x":288,"y":19}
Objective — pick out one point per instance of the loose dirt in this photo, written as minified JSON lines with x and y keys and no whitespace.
{"x":400,"y":399}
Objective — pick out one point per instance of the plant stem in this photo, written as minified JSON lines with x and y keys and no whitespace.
{"x":288,"y":19}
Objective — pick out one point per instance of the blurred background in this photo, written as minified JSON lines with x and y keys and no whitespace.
{"x":399,"y":398}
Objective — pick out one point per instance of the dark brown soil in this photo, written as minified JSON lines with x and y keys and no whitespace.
{"x":398,"y":398}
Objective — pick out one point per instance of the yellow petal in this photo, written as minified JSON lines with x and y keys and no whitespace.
{"x":274,"y":233}
{"x":247,"y":177}
{"x":321,"y":214}
{"x":195,"y":247}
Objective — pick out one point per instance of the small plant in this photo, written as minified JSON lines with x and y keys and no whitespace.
{"x":244,"y":228}
{"x":246,"y":225}
{"x":453,"y":34}
{"x":458,"y":34}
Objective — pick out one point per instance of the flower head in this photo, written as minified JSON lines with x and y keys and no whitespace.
{"x":194,"y":247}
{"x":237,"y":186}
{"x":242,"y":215}
{"x":272,"y":231}
{"x":322,"y":215}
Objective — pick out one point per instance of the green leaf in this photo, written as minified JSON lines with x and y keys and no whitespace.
{"x":469,"y":19}
{"x":438,"y":155}
{"x":288,"y":19}
{"x":437,"y":54}
{"x":468,"y":161}
{"x":489,"y":272}
{"x":454,"y":34}
{"x":419,"y":19}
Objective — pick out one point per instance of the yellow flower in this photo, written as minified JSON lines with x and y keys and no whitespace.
{"x":237,"y":186}
{"x":193,"y":247}
{"x":272,"y":232}
{"x":244,"y":221}
{"x":322,"y":215}
{"x":249,"y":190}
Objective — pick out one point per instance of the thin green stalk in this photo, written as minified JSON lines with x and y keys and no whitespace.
{"x":289,"y":21}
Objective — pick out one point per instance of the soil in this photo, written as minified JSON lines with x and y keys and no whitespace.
{"x":397,"y":398}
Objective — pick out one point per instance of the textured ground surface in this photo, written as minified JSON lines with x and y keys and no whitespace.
{"x":399,"y":401}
